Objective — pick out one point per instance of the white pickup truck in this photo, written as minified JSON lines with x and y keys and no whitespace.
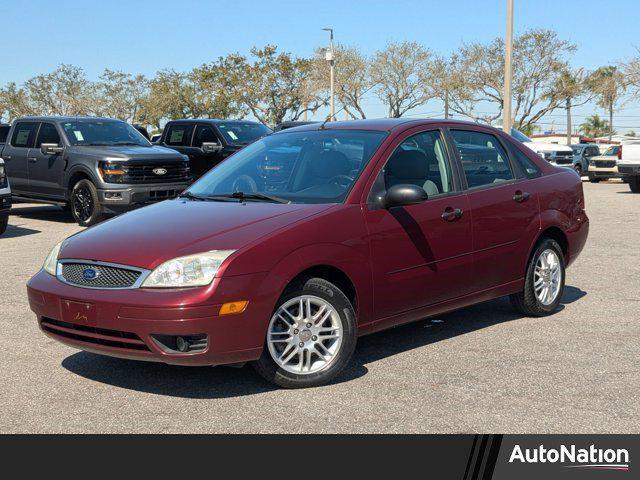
{"x":560,"y":155}
{"x":629,"y":164}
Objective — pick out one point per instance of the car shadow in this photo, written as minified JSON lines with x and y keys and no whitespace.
{"x":41,"y":212}
{"x":225,"y":382}
{"x":15,"y":231}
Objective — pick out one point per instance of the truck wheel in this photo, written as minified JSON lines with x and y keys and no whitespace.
{"x":311,"y":336}
{"x":4,"y":220}
{"x":578,"y":168}
{"x":544,"y":281}
{"x":85,"y":207}
{"x":634,"y":184}
{"x":594,"y":179}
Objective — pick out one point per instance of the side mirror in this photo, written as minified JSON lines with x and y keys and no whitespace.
{"x":404,"y":194}
{"x":211,"y":147}
{"x":51,"y":149}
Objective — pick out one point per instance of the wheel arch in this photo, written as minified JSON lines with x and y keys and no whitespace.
{"x":75,"y":175}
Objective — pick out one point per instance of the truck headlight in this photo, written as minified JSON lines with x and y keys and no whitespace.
{"x":51,"y":262}
{"x":189,"y":271}
{"x":113,"y":172}
{"x":3,"y":177}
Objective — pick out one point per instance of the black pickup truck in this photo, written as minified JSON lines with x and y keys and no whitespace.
{"x":93,"y":166}
{"x":207,"y":142}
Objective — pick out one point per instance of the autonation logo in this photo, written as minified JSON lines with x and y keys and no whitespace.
{"x":590,"y":458}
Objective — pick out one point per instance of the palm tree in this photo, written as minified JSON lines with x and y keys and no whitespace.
{"x":571,"y":88}
{"x":594,"y":126}
{"x":608,"y":85}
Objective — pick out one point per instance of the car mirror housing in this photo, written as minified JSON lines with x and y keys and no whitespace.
{"x":403,"y":195}
{"x":211,"y":147}
{"x":51,"y":149}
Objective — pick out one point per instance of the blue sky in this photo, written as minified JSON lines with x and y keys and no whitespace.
{"x":145,"y":36}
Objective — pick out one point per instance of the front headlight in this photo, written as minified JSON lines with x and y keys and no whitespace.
{"x":190,"y":271}
{"x":51,"y":262}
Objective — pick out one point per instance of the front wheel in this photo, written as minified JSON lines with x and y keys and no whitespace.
{"x":85,"y":205}
{"x":311,"y":336}
{"x":544,"y":282}
{"x":4,"y":221}
{"x":634,"y":184}
{"x":578,"y":168}
{"x":594,"y":179}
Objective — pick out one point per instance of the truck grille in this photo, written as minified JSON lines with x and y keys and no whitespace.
{"x":153,"y":173}
{"x":605,"y":163}
{"x":103,"y":277}
{"x":562,"y":158}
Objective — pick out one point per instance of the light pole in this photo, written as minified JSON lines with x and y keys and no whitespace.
{"x":508,"y":72}
{"x":329,"y":56}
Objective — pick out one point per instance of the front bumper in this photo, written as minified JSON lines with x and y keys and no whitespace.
{"x":122,"y":198}
{"x":124,"y":323}
{"x":602,"y":172}
{"x":632,"y":170}
{"x":5,"y":204}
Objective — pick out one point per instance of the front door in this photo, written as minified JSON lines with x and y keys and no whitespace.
{"x":46,"y":171}
{"x":504,"y":208}
{"x":15,"y":155}
{"x":202,"y":162}
{"x":421,"y":254}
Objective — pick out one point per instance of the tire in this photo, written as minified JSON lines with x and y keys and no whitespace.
{"x":634,"y":184}
{"x":4,"y":221}
{"x":593,"y":179}
{"x":85,"y":206}
{"x":288,"y":336}
{"x":578,"y":168}
{"x":527,"y":301}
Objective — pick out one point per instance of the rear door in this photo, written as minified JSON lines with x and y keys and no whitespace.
{"x":503,"y":203}
{"x":15,"y":154}
{"x":46,"y":171}
{"x":178,"y":136}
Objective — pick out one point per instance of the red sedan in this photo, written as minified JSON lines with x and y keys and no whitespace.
{"x":288,"y":251}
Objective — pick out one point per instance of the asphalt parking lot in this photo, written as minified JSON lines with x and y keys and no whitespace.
{"x":482,"y":369}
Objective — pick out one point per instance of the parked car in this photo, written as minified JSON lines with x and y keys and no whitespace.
{"x":4,"y":131}
{"x":5,"y":198}
{"x":605,"y":166}
{"x":94,"y":166}
{"x":291,"y":124}
{"x":560,"y":155}
{"x":207,"y":142}
{"x":338,"y":231}
{"x":582,"y":152}
{"x":629,"y":165}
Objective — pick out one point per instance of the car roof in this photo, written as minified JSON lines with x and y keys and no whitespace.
{"x":212,"y":121}
{"x":381,"y":124}
{"x":62,"y":119}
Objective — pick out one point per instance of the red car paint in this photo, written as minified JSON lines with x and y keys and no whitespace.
{"x":404,"y":264}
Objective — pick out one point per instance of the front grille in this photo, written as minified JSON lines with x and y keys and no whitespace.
{"x":605,"y":163}
{"x":174,"y":172}
{"x":105,"y":276}
{"x":98,"y":336}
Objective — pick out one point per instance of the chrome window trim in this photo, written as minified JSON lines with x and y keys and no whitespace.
{"x":144,"y":273}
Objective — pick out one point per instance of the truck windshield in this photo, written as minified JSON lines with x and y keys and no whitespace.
{"x":103,"y":133}
{"x":242,"y":133}
{"x":317,"y":166}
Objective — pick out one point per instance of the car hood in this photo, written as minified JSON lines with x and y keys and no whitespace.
{"x":548,"y":147}
{"x":149,"y":236}
{"x":128,"y":152}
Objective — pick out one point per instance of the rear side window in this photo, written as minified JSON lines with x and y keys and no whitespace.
{"x":529,"y":168}
{"x":483,"y":159}
{"x":179,"y":135}
{"x":204,"y":134}
{"x":47,"y":134}
{"x":23,"y":134}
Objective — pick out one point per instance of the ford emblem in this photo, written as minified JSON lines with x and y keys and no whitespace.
{"x":159,"y":171}
{"x":90,"y":274}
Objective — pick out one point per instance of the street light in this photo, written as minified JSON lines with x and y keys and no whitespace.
{"x":329,"y":56}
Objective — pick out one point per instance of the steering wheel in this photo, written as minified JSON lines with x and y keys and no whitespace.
{"x":244,"y":183}
{"x":341,"y":180}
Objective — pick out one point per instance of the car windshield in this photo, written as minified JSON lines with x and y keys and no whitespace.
{"x":317,"y":166}
{"x":241,"y":133}
{"x":518,"y":135}
{"x":103,"y":133}
{"x":611,"y":151}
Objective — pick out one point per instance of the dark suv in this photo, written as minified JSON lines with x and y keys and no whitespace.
{"x":207,"y":142}
{"x":92,"y":165}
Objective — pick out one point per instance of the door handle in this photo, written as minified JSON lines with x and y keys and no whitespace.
{"x":7,"y":157}
{"x":451,"y":215}
{"x":521,"y":196}
{"x":33,"y":160}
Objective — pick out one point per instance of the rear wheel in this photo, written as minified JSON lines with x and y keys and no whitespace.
{"x":85,"y":206}
{"x":634,"y":184}
{"x":544,"y":282}
{"x":311,"y":336}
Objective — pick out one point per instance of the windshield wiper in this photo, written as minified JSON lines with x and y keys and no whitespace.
{"x":191,"y":196}
{"x":127,"y":143}
{"x":242,"y":196}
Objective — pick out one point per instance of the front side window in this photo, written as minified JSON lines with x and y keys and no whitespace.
{"x":317,"y":166}
{"x":204,"y":134}
{"x":483,"y":159}
{"x":47,"y":134}
{"x":103,"y":133}
{"x":179,"y":135}
{"x":419,"y":160}
{"x":242,"y":133}
{"x":23,"y":134}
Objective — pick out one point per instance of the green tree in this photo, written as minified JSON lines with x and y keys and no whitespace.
{"x":14,"y":102}
{"x":608,"y":84}
{"x":572,"y":89}
{"x":120,"y":95}
{"x":594,"y":127}
{"x":65,"y":91}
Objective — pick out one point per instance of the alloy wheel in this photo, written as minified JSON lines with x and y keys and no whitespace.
{"x":82,"y":204}
{"x":547,"y":277}
{"x":305,"y":335}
